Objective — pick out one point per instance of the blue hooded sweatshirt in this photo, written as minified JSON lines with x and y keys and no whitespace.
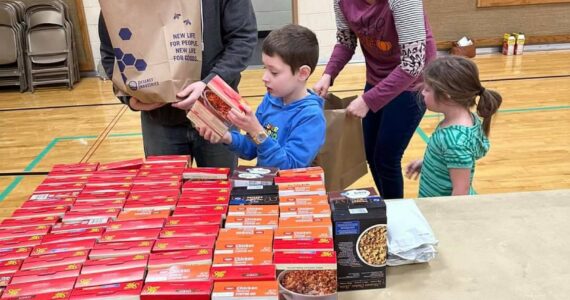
{"x":296,"y":133}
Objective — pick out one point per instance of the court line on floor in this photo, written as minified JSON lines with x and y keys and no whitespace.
{"x":58,"y":106}
{"x":101,"y":138}
{"x":52,"y":144}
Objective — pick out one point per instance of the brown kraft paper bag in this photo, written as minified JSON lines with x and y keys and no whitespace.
{"x":157,"y":46}
{"x":342,"y":156}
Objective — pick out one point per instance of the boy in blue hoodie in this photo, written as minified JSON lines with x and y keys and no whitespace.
{"x":289,"y":126}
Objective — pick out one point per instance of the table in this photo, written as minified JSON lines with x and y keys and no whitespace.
{"x":501,"y":246}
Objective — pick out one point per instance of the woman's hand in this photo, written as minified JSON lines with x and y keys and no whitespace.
{"x":357,"y":108}
{"x":323,"y":85}
{"x":136,"y":104}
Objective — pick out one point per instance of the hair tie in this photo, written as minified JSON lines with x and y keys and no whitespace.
{"x":481,"y":91}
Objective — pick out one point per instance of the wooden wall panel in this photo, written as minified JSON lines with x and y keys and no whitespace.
{"x":493,"y":3}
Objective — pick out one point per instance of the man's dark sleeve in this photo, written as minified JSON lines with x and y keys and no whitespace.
{"x":107,"y":54}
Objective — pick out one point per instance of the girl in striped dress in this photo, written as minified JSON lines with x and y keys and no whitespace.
{"x":452,"y":87}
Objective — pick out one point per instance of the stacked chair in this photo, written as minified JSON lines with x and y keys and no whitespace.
{"x":12,"y":46}
{"x":50,"y":46}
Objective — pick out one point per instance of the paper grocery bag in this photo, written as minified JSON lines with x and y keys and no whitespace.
{"x":157,"y":46}
{"x":342,"y":156}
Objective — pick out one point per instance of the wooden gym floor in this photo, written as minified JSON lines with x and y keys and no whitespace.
{"x":530,"y":139}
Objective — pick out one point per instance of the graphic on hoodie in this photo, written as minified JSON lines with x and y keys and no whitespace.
{"x":271,"y":130}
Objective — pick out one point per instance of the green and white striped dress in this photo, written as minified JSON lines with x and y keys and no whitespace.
{"x":455,"y":146}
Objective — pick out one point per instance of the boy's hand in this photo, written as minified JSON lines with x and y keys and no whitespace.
{"x":136,"y":104}
{"x":358,"y":108}
{"x":246,"y":120}
{"x":209,"y":135}
{"x":189,"y":95}
{"x":323,"y":85}
{"x":414,"y":168}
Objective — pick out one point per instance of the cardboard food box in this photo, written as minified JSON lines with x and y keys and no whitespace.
{"x":135,"y":225}
{"x":53,"y":196}
{"x":154,"y":204}
{"x":200,"y":210}
{"x":80,"y":216}
{"x":44,"y":289}
{"x":155,"y":186}
{"x":317,"y":211}
{"x":179,"y":273}
{"x":253,"y":210}
{"x":304,"y":200}
{"x":154,"y":195}
{"x":239,"y":247}
{"x":111,"y":277}
{"x":205,"y":185}
{"x":75,"y":167}
{"x":206,"y":173}
{"x":160,"y":159}
{"x":243,"y":259}
{"x":255,"y":195}
{"x":78,"y":235}
{"x":244,"y":273}
{"x":305,"y":260}
{"x":116,"y":249}
{"x":212,"y":108}
{"x":322,"y":244}
{"x":179,"y":166}
{"x":56,"y":202}
{"x":143,"y":214}
{"x":252,"y":176}
{"x":49,"y":273}
{"x":24,"y":241}
{"x":245,"y":234}
{"x":111,"y":264}
{"x":360,"y":237}
{"x":130,"y":235}
{"x":59,"y":188}
{"x":28,"y":213}
{"x":184,"y":257}
{"x":121,"y":291}
{"x":102,"y":204}
{"x":14,"y":254}
{"x":294,"y":190}
{"x":122,"y":165}
{"x":309,"y":171}
{"x":255,"y":222}
{"x":199,"y":290}
{"x":184,"y":243}
{"x":99,"y":196}
{"x":186,"y":200}
{"x":282,"y":233}
{"x":190,"y":231}
{"x":302,"y":222}
{"x":55,"y":259}
{"x":10,"y":266}
{"x":250,"y":290}
{"x":27,"y":222}
{"x":193,"y":221}
{"x":81,"y":225}
{"x":81,"y":245}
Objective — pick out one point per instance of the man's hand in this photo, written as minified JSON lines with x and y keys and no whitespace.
{"x":358,"y":108}
{"x":323,"y":85}
{"x":246,"y":121}
{"x":136,"y":104}
{"x":189,"y":95}
{"x":209,"y":135}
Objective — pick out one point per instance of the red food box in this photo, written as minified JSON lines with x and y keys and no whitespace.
{"x":245,"y":234}
{"x":244,"y":273}
{"x":14,"y":253}
{"x":121,"y":249}
{"x":199,"y":290}
{"x":20,"y":242}
{"x":103,"y":180}
{"x":257,"y":222}
{"x":82,"y":245}
{"x":61,"y":295}
{"x":112,"y":264}
{"x":203,"y":201}
{"x":64,"y":180}
{"x":206,"y":173}
{"x":100,"y":195}
{"x":135,"y":225}
{"x":165,"y":165}
{"x":253,"y":210}
{"x":122,"y":165}
{"x":78,"y":235}
{"x":243,"y":259}
{"x":114,"y":173}
{"x":10,"y":266}
{"x":190,"y":231}
{"x":295,"y":181}
{"x":159,"y":159}
{"x":158,"y":170}
{"x":251,"y":290}
{"x":193,"y":221}
{"x":80,"y":216}
{"x":179,"y":273}
{"x":84,"y":224}
{"x":11,"y":233}
{"x":48,"y":203}
{"x":206,"y":185}
{"x":50,"y":273}
{"x":184,"y":257}
{"x":122,"y":291}
{"x":27,"y":213}
{"x":17,"y":223}
{"x":154,"y":195}
{"x":111,"y":277}
{"x":159,"y":186}
{"x":101,"y":204}
{"x":59,"y":188}
{"x":143,"y":214}
{"x":205,"y":193}
{"x":5,"y":280}
{"x":186,"y":243}
{"x":58,"y":288}
{"x":322,"y":244}
{"x":107,"y":187}
{"x":304,"y":200}
{"x":56,"y":259}
{"x":199,"y":210}
{"x":130,"y":235}
{"x":154,"y":204}
{"x":75,"y":167}
{"x":239,"y":247}
{"x":307,"y":260}
{"x":53,"y":196}
{"x":303,"y":172}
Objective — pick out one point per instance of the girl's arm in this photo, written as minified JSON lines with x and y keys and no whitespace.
{"x":460,"y":181}
{"x":345,"y":46}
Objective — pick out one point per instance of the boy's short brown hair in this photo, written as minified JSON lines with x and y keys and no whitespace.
{"x":295,"y":44}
